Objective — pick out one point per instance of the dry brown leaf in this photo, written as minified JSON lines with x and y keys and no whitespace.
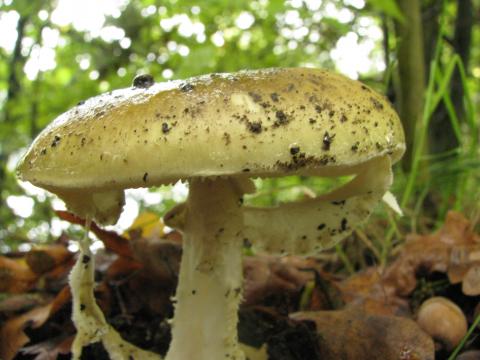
{"x":369,"y":291}
{"x":15,"y":275}
{"x":464,"y":267}
{"x":269,"y":275}
{"x":112,"y":241}
{"x":50,"y":349}
{"x":150,"y":277}
{"x":144,"y":290}
{"x":469,"y":355}
{"x":12,"y":335}
{"x":459,"y":263}
{"x":325,"y":295}
{"x":471,"y":281}
{"x":354,"y":335}
{"x":457,"y":230}
{"x":425,"y":252}
{"x":262,"y":327}
{"x":174,"y":236}
{"x":122,"y":267}
{"x":159,"y":257}
{"x":22,"y":302}
{"x":61,"y":271}
{"x":453,"y":249}
{"x":45,"y":258}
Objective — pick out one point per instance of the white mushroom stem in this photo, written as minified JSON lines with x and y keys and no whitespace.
{"x":204,"y":326}
{"x":312,"y":225}
{"x":88,"y":318}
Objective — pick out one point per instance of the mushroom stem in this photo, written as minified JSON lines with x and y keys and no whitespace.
{"x":210,"y":280}
{"x":87,"y":316}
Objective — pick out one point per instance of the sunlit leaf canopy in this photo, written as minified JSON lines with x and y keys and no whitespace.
{"x":57,"y":53}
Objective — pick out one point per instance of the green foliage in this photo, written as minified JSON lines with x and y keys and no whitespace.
{"x":466,"y":165}
{"x":389,"y":7}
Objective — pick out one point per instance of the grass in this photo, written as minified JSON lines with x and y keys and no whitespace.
{"x":453,"y":174}
{"x":469,"y":333}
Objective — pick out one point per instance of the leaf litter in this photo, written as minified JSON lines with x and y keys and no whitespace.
{"x":293,"y":307}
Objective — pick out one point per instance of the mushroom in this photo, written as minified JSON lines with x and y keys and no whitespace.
{"x":443,"y":320}
{"x":217,"y":132}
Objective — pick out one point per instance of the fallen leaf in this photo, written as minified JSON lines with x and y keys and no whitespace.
{"x":12,"y":335}
{"x":325,"y":294}
{"x":144,"y":290}
{"x":267,"y":276}
{"x":146,"y":225}
{"x":283,"y":338}
{"x":21,"y":302}
{"x":159,"y":257}
{"x":45,"y":258}
{"x":50,"y":349}
{"x":61,"y":271}
{"x":471,"y":281}
{"x":112,"y":241}
{"x":420,"y":252}
{"x":122,"y":267}
{"x":469,"y":355}
{"x":355,"y":335}
{"x":457,"y":230}
{"x":369,"y":291}
{"x":15,"y":275}
{"x":453,"y":249}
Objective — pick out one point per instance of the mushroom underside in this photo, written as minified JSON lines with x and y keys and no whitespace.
{"x":215,"y":226}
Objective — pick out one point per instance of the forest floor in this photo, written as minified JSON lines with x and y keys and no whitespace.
{"x":419,"y":306}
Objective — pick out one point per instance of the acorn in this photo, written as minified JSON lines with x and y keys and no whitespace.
{"x":443,"y":320}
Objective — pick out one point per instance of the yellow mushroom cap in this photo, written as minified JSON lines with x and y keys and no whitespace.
{"x":271,"y":122}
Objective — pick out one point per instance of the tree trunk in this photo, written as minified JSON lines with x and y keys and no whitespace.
{"x":6,"y":119}
{"x":411,"y":71}
{"x":16,"y":64}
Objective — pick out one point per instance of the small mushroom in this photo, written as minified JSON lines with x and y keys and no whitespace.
{"x":128,"y":147}
{"x":443,"y":320}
